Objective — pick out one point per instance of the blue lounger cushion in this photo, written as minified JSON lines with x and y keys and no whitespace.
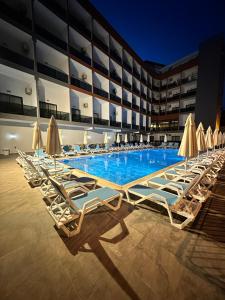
{"x":102,"y":193}
{"x":144,"y":191}
{"x":164,"y":181}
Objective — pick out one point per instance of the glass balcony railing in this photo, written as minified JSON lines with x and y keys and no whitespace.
{"x":189,"y":93}
{"x":59,"y":115}
{"x":82,"y":56}
{"x":16,"y":58}
{"x":15,"y":16}
{"x":42,"y":32}
{"x":100,"y":121}
{"x":136,"y":73}
{"x":14,"y":105}
{"x":143,"y":110}
{"x":57,"y":9}
{"x":81,"y":118}
{"x":114,"y":76}
{"x":126,"y":84}
{"x":81,"y":84}
{"x":100,"y":43}
{"x":115,"y":123}
{"x":80,"y":26}
{"x":143,"y":95}
{"x":100,"y":67}
{"x":100,"y":92}
{"x":136,"y":90}
{"x":51,"y":72}
{"x":126,"y":125}
{"x":135,"y":106}
{"x":188,"y":108}
{"x":114,"y":54}
{"x":115,"y":98}
{"x":127,"y":66}
{"x":127,"y":103}
{"x":134,"y":126}
{"x":142,"y":128}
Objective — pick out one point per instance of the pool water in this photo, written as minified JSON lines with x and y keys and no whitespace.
{"x":124,"y":167}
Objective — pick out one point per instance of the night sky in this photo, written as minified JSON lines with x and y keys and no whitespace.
{"x":164,"y":31}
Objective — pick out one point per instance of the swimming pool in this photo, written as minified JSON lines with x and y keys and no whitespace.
{"x":124,"y":167}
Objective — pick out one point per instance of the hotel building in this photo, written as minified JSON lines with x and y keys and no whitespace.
{"x":63,"y":58}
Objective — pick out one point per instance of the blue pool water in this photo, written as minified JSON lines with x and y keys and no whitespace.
{"x":127,"y":166}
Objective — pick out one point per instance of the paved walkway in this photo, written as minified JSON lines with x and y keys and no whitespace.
{"x":133,"y":253}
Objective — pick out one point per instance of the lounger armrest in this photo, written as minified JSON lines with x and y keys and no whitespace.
{"x":90,"y":202}
{"x":161,"y":198}
{"x":176,"y":185}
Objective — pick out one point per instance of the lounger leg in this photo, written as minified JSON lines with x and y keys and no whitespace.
{"x":114,"y":208}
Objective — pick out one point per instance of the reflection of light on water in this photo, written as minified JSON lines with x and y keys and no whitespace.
{"x":106,"y":164}
{"x":164,"y":156}
{"x":86,"y":168}
{"x":148,"y":155}
{"x":141,"y":157}
{"x":118,"y":162}
{"x":125,"y":160}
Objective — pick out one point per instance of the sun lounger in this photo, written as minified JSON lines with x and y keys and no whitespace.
{"x":68,"y":211}
{"x":174,"y":201}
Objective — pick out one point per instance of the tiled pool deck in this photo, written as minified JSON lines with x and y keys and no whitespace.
{"x":133,"y":253}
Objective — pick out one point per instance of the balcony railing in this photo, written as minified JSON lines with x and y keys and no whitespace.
{"x":190,"y":108}
{"x":55,"y":8}
{"x":59,"y":115}
{"x":136,"y":90}
{"x":115,"y":56}
{"x":127,"y":66}
{"x":173,"y":84}
{"x":81,"y":84}
{"x":100,"y":121}
{"x":189,"y":79}
{"x":126,"y":125}
{"x":8,"y":12}
{"x":143,"y":110}
{"x":14,"y":105}
{"x":174,"y":97}
{"x":126,"y":84}
{"x":80,"y":118}
{"x":173,"y":111}
{"x":135,"y":106}
{"x":136,"y":73}
{"x":144,"y":80}
{"x":80,"y":26}
{"x":100,"y":67}
{"x":165,"y":129}
{"x":155,"y":87}
{"x":115,"y":98}
{"x":100,"y":43}
{"x":114,"y":76}
{"x":127,"y":103}
{"x":49,"y":71}
{"x":142,"y":128}
{"x":50,"y":37}
{"x":143,"y":95}
{"x":115,"y":123}
{"x":100,"y":92}
{"x":16,"y":58}
{"x":79,"y":54}
{"x":190,"y":93}
{"x":134,"y":126}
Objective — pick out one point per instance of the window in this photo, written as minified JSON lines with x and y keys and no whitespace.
{"x":161,"y":138}
{"x":175,"y":138}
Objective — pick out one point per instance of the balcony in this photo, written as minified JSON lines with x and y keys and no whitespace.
{"x":189,"y":79}
{"x":135,"y":106}
{"x":166,"y":129}
{"x":100,"y":121}
{"x":115,"y":98}
{"x":143,"y":110}
{"x":7,"y":12}
{"x":126,"y":125}
{"x":55,"y":8}
{"x":126,"y":84}
{"x":127,"y":67}
{"x":59,"y":115}
{"x":115,"y":56}
{"x":136,"y":73}
{"x":100,"y":92}
{"x":134,"y":126}
{"x":114,"y":76}
{"x":174,"y":97}
{"x":100,"y":43}
{"x":127,"y":103}
{"x":136,"y":90}
{"x":49,"y":37}
{"x":80,"y":26}
{"x":142,"y":128}
{"x":188,"y":108}
{"x":80,"y":118}
{"x":81,"y":84}
{"x":115,"y":123}
{"x":163,"y":100}
{"x":173,"y":111}
{"x":82,"y":56}
{"x":143,"y":95}
{"x":100,"y":67}
{"x":16,"y":58}
{"x":173,"y":84}
{"x":49,"y":71}
{"x":155,"y":88}
{"x":14,"y":105}
{"x":189,"y":93}
{"x":144,"y":80}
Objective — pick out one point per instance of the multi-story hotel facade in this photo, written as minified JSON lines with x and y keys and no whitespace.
{"x":63,"y":58}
